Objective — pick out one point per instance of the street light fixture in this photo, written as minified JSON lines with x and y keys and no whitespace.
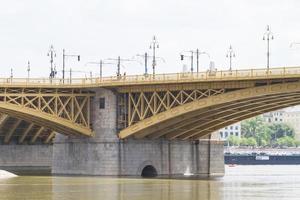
{"x":154,"y":44}
{"x":268,"y":35}
{"x":11,"y":74}
{"x":64,"y":57}
{"x":230,"y":54}
{"x":51,"y":53}
{"x":28,"y":70}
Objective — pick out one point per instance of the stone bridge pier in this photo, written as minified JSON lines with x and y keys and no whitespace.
{"x":107,"y":155}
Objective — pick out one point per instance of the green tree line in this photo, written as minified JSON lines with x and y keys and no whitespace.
{"x":256,"y":132}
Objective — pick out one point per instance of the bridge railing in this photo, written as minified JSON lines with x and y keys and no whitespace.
{"x":279,"y":72}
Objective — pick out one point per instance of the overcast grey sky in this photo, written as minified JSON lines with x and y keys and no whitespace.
{"x":107,"y":28}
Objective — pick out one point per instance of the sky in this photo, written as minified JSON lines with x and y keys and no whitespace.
{"x":101,"y":29}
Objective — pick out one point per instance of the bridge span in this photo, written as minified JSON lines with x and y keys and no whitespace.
{"x":120,"y":125}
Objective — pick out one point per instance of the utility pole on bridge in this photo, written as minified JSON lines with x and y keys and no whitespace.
{"x":51,"y":53}
{"x":198,"y":53}
{"x":230,"y":54}
{"x":119,"y":64}
{"x":64,"y":57}
{"x":145,"y":57}
{"x":154,"y":44}
{"x":100,"y":63}
{"x":268,"y":35}
{"x":28,"y":71}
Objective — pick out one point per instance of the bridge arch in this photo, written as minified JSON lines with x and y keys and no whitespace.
{"x":66,"y":111}
{"x":57,"y":124}
{"x":199,"y":118}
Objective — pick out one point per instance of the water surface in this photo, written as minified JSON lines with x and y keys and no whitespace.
{"x":240,"y":182}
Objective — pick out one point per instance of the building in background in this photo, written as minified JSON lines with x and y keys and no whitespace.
{"x":292,"y":119}
{"x":234,"y":129}
{"x":289,"y":116}
{"x":274,"y":116}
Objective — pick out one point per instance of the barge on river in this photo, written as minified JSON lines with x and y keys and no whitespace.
{"x":261,"y":159}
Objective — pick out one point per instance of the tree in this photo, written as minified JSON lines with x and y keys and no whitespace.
{"x":297,"y":143}
{"x":233,"y":140}
{"x":251,"y":142}
{"x":286,"y":141}
{"x":279,"y":130}
{"x":251,"y":126}
{"x":244,"y":141}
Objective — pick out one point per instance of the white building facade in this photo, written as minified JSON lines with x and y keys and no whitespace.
{"x":232,"y":130}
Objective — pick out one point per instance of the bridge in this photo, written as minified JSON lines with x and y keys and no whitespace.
{"x":139,"y":109}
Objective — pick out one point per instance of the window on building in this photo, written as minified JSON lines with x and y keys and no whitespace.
{"x":276,"y":119}
{"x":236,"y":128}
{"x":226,"y":134}
{"x":102,"y":103}
{"x":231,"y":133}
{"x":236,"y":133}
{"x":231,"y":127}
{"x":226,"y":127}
{"x":221,"y":134}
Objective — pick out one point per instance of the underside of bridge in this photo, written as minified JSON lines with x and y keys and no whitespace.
{"x":194,"y":111}
{"x":19,"y":131}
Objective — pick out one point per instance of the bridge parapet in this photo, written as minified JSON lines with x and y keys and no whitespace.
{"x":114,"y":81}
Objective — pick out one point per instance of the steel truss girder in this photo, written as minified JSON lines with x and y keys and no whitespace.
{"x":63,"y":110}
{"x":142,"y":105}
{"x":181,"y":121}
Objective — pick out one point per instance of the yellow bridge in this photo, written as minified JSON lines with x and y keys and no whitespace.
{"x":185,"y":106}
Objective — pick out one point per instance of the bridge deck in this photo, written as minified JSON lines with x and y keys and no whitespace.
{"x":113,"y":81}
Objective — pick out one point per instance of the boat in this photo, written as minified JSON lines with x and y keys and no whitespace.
{"x":261,"y":159}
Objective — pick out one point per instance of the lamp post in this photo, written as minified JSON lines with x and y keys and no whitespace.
{"x":154,"y":44}
{"x":51,"y":53}
{"x":64,"y":57}
{"x":230,"y":54}
{"x":11,"y":74}
{"x":28,"y":70}
{"x":268,"y":35}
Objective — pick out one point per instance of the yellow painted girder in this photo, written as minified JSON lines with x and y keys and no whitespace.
{"x":214,"y":125}
{"x":211,"y":101}
{"x":44,"y":119}
{"x":27,"y":130}
{"x":247,"y":116}
{"x":219,"y":114}
{"x":11,"y":131}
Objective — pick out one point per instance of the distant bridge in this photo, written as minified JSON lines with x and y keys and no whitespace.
{"x":185,"y":106}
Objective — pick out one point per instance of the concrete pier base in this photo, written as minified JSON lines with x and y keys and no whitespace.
{"x":26,"y":159}
{"x":106,"y":155}
{"x":138,"y":158}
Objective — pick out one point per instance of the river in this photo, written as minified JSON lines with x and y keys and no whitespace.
{"x":240,"y":182}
